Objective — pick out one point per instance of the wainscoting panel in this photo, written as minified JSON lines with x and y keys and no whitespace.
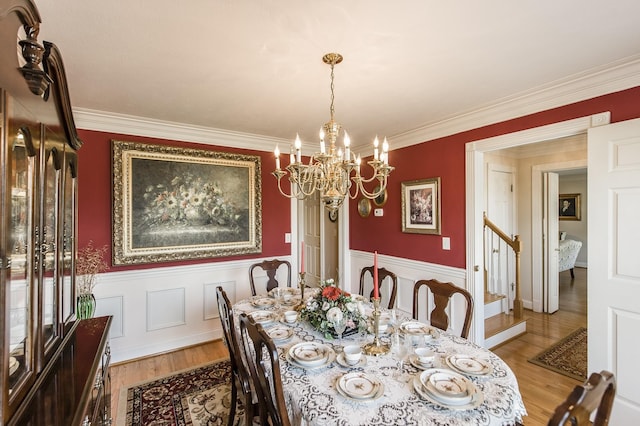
{"x":210,"y":299}
{"x":165,"y":308}
{"x":178,"y":303}
{"x":112,"y":306}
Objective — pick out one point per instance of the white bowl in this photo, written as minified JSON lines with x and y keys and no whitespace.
{"x":290,"y":316}
{"x":425,"y":355}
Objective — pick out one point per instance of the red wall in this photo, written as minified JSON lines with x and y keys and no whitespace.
{"x":445,"y":157}
{"x":94,"y":187}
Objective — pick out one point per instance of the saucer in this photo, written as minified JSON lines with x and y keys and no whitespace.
{"x":470,"y":365}
{"x":413,"y":359}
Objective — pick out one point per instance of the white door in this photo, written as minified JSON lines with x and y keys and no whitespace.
{"x":312,"y":243}
{"x":613,"y":287}
{"x":551,"y":285}
{"x":500,"y":210}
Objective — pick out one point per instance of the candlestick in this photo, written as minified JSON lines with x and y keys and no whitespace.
{"x":302,"y":257}
{"x":302,"y":285}
{"x":376,"y":347}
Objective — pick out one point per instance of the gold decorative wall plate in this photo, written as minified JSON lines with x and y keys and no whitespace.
{"x":364,"y":207}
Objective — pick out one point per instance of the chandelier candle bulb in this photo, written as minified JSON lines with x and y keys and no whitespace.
{"x":322,"y":148}
{"x":375,"y":148}
{"x":277,"y":153}
{"x":347,"y":150}
{"x":298,"y":151}
{"x":385,"y":150}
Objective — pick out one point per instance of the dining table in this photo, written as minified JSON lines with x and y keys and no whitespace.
{"x":379,"y":389}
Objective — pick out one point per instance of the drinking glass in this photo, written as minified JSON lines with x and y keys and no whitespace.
{"x":340,"y":325}
{"x":399,"y":351}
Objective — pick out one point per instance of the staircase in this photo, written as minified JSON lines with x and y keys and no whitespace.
{"x":502,"y":323}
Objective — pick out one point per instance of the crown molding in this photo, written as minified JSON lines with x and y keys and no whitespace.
{"x":109,"y":122}
{"x":611,"y":78}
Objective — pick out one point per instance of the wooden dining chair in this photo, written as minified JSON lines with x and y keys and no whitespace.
{"x":382,"y":274}
{"x":240,"y":378}
{"x":260,"y":350}
{"x":271,"y":268}
{"x":442,"y":293}
{"x":596,"y":394}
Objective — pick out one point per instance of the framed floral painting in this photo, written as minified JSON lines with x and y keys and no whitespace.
{"x":421,"y":206}
{"x":172,"y":203}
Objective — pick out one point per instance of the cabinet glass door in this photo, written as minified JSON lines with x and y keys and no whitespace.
{"x":49,"y":213}
{"x":22,"y":170}
{"x":67,"y":243}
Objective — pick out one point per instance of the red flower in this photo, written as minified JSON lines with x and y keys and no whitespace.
{"x":331,"y":293}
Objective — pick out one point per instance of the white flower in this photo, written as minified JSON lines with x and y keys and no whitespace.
{"x":334,"y":314}
{"x":325,"y":306}
{"x":361,"y":309}
{"x":350,"y":306}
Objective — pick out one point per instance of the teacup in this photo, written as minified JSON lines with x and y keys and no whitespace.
{"x":290,"y":316}
{"x":352,"y":354}
{"x":425,"y":355}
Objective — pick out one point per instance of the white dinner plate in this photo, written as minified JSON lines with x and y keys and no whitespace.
{"x":330,"y":358}
{"x":280,"y":333}
{"x":416,"y":328}
{"x":468,"y":364}
{"x":343,"y":362}
{"x":263,"y":302}
{"x":358,"y":385}
{"x":263,"y":317}
{"x":309,"y":354}
{"x":447,"y":387}
{"x":477,"y":398}
{"x":291,"y":291}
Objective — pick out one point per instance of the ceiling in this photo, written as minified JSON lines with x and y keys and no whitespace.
{"x":255,"y":66}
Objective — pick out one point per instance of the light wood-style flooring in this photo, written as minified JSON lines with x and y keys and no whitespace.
{"x":542,"y":389}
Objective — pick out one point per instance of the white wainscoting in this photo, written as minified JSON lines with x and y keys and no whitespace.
{"x":408,"y":272}
{"x":162,"y":309}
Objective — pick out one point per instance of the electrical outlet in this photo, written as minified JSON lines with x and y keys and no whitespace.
{"x":378,"y":212}
{"x":287,"y":237}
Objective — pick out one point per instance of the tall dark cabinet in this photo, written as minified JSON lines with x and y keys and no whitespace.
{"x":54,"y":368}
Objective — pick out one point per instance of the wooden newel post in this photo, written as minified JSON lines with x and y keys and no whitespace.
{"x":517,"y":303}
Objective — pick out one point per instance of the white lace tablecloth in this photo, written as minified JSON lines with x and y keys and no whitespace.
{"x":312,"y":397}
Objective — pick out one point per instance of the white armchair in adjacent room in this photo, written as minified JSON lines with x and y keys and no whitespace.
{"x":569,"y":250}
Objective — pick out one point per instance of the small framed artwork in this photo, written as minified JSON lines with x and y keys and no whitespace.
{"x":569,"y":207}
{"x":364,"y":207}
{"x":421,"y":206}
{"x":381,"y":199}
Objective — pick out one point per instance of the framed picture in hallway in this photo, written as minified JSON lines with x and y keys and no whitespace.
{"x":569,"y":207}
{"x":173,"y":203}
{"x":421,"y":206}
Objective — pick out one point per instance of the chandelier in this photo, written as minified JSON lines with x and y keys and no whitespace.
{"x":334,"y":173}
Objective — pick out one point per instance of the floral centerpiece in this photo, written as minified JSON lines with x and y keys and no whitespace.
{"x":330,"y":305}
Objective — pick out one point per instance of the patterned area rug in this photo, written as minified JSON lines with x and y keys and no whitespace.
{"x":198,"y":397}
{"x":568,"y":356}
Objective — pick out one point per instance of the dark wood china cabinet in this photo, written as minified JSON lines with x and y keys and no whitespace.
{"x":54,"y":368}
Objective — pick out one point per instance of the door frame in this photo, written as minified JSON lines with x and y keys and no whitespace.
{"x":475,"y":190}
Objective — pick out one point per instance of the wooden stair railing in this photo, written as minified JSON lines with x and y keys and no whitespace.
{"x":516,"y":246}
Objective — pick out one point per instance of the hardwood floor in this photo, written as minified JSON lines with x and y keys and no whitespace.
{"x":542,"y":389}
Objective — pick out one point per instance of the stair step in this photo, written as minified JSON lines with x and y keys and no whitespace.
{"x":490,"y":297}
{"x":500,"y":328}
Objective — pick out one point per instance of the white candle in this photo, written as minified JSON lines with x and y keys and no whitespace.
{"x":385,"y":149}
{"x":277,"y":153}
{"x":347,"y":150}
{"x":375,"y":148}
{"x":298,"y":146}
{"x":322,"y":141}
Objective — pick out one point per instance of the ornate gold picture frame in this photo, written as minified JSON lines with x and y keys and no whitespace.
{"x":172,"y":203}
